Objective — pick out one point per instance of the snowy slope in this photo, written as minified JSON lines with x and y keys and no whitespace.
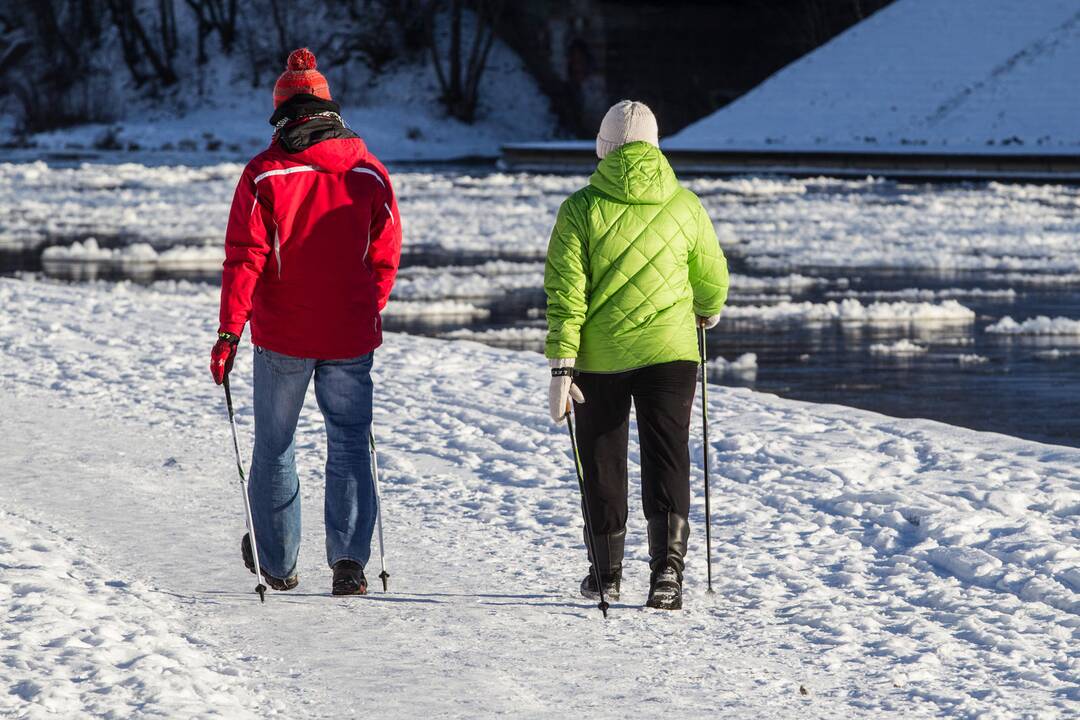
{"x":887,"y":566}
{"x":961,"y":75}
{"x":396,"y":112}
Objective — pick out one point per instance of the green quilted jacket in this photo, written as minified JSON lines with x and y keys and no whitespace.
{"x":633,"y":257}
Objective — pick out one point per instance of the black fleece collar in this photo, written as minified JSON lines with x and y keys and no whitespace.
{"x":301,"y":105}
{"x":306,"y":120}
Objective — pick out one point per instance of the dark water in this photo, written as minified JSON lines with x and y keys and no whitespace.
{"x":1024,"y":388}
{"x":1027,"y":386}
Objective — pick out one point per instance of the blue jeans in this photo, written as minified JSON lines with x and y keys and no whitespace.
{"x":343,"y":389}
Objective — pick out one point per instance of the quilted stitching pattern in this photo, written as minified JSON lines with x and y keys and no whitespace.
{"x":632,"y":257}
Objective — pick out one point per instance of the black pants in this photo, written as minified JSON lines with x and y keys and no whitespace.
{"x":663,"y":396}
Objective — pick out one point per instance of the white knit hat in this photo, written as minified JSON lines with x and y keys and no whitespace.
{"x":627,"y":121}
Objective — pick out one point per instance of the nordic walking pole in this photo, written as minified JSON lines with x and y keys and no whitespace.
{"x":705,"y":461}
{"x":384,"y":576}
{"x":585,"y":513}
{"x":260,"y":588}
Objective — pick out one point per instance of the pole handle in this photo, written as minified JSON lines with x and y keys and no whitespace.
{"x":228,"y":398}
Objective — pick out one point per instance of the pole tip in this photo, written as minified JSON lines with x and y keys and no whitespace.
{"x":385,"y":577}
{"x":261,"y":589}
{"x":604,"y":608}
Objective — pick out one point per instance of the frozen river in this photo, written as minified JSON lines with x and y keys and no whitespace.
{"x":879,"y":295}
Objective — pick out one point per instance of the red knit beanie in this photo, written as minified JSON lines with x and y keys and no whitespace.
{"x":300,"y":76}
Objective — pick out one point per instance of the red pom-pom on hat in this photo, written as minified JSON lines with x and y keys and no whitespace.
{"x":300,"y":76}
{"x":301,"y":59}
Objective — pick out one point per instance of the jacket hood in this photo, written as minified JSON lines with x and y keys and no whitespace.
{"x":311,"y":131}
{"x":637,"y":174}
{"x":335,"y":155}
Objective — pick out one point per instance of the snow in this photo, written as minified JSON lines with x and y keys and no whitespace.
{"x":901,"y":348}
{"x":919,"y":76}
{"x":496,"y":278}
{"x":745,"y":367}
{"x":851,"y":311}
{"x":926,"y":295}
{"x":522,"y":338}
{"x":1035,"y":279}
{"x":489,"y":280}
{"x":970,"y":564}
{"x":800,"y":224}
{"x":972,"y":359}
{"x":434,"y":309}
{"x":781,"y":228}
{"x":793,"y":283}
{"x":890,"y":567}
{"x":79,"y":641}
{"x":142,"y":254}
{"x":396,"y":112}
{"x":1041,"y":325}
{"x":1055,"y":354}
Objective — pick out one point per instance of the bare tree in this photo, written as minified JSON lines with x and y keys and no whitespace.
{"x":214,"y":16}
{"x":14,"y":44}
{"x":137,"y":45}
{"x":409,"y":16}
{"x":459,"y":82}
{"x":279,"y":13}
{"x":43,"y":50}
{"x":53,"y":52}
{"x":49,"y":27}
{"x":167,"y":30}
{"x":368,"y":35}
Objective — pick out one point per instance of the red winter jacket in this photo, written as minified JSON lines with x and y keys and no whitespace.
{"x":311,"y":250}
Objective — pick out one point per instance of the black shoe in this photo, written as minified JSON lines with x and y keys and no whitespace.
{"x":665,"y":590}
{"x":349,"y":578}
{"x":668,"y":534}
{"x":249,"y":562}
{"x":611,"y":585}
{"x":605,"y":555}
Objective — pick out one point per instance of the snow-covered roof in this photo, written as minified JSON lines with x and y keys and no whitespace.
{"x":965,"y":75}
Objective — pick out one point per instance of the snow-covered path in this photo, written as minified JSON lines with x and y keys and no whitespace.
{"x":884,"y":565}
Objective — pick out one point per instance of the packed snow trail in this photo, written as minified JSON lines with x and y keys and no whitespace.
{"x":886,"y":565}
{"x":78,"y":641}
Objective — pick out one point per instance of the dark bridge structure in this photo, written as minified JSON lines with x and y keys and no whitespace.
{"x":580,"y":157}
{"x":684,"y":58}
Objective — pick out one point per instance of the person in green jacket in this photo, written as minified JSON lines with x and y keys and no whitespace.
{"x":633,"y":268}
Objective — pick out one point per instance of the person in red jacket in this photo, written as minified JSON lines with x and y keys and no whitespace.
{"x":311,"y":252}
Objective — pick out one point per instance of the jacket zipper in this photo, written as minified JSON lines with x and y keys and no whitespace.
{"x":277,"y":249}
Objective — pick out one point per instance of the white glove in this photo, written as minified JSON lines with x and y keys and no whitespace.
{"x":562,"y":389}
{"x":708,"y":322}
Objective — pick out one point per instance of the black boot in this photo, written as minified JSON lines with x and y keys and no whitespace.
{"x":349,"y":578}
{"x":249,"y":562}
{"x":668,"y":534}
{"x":608,"y":560}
